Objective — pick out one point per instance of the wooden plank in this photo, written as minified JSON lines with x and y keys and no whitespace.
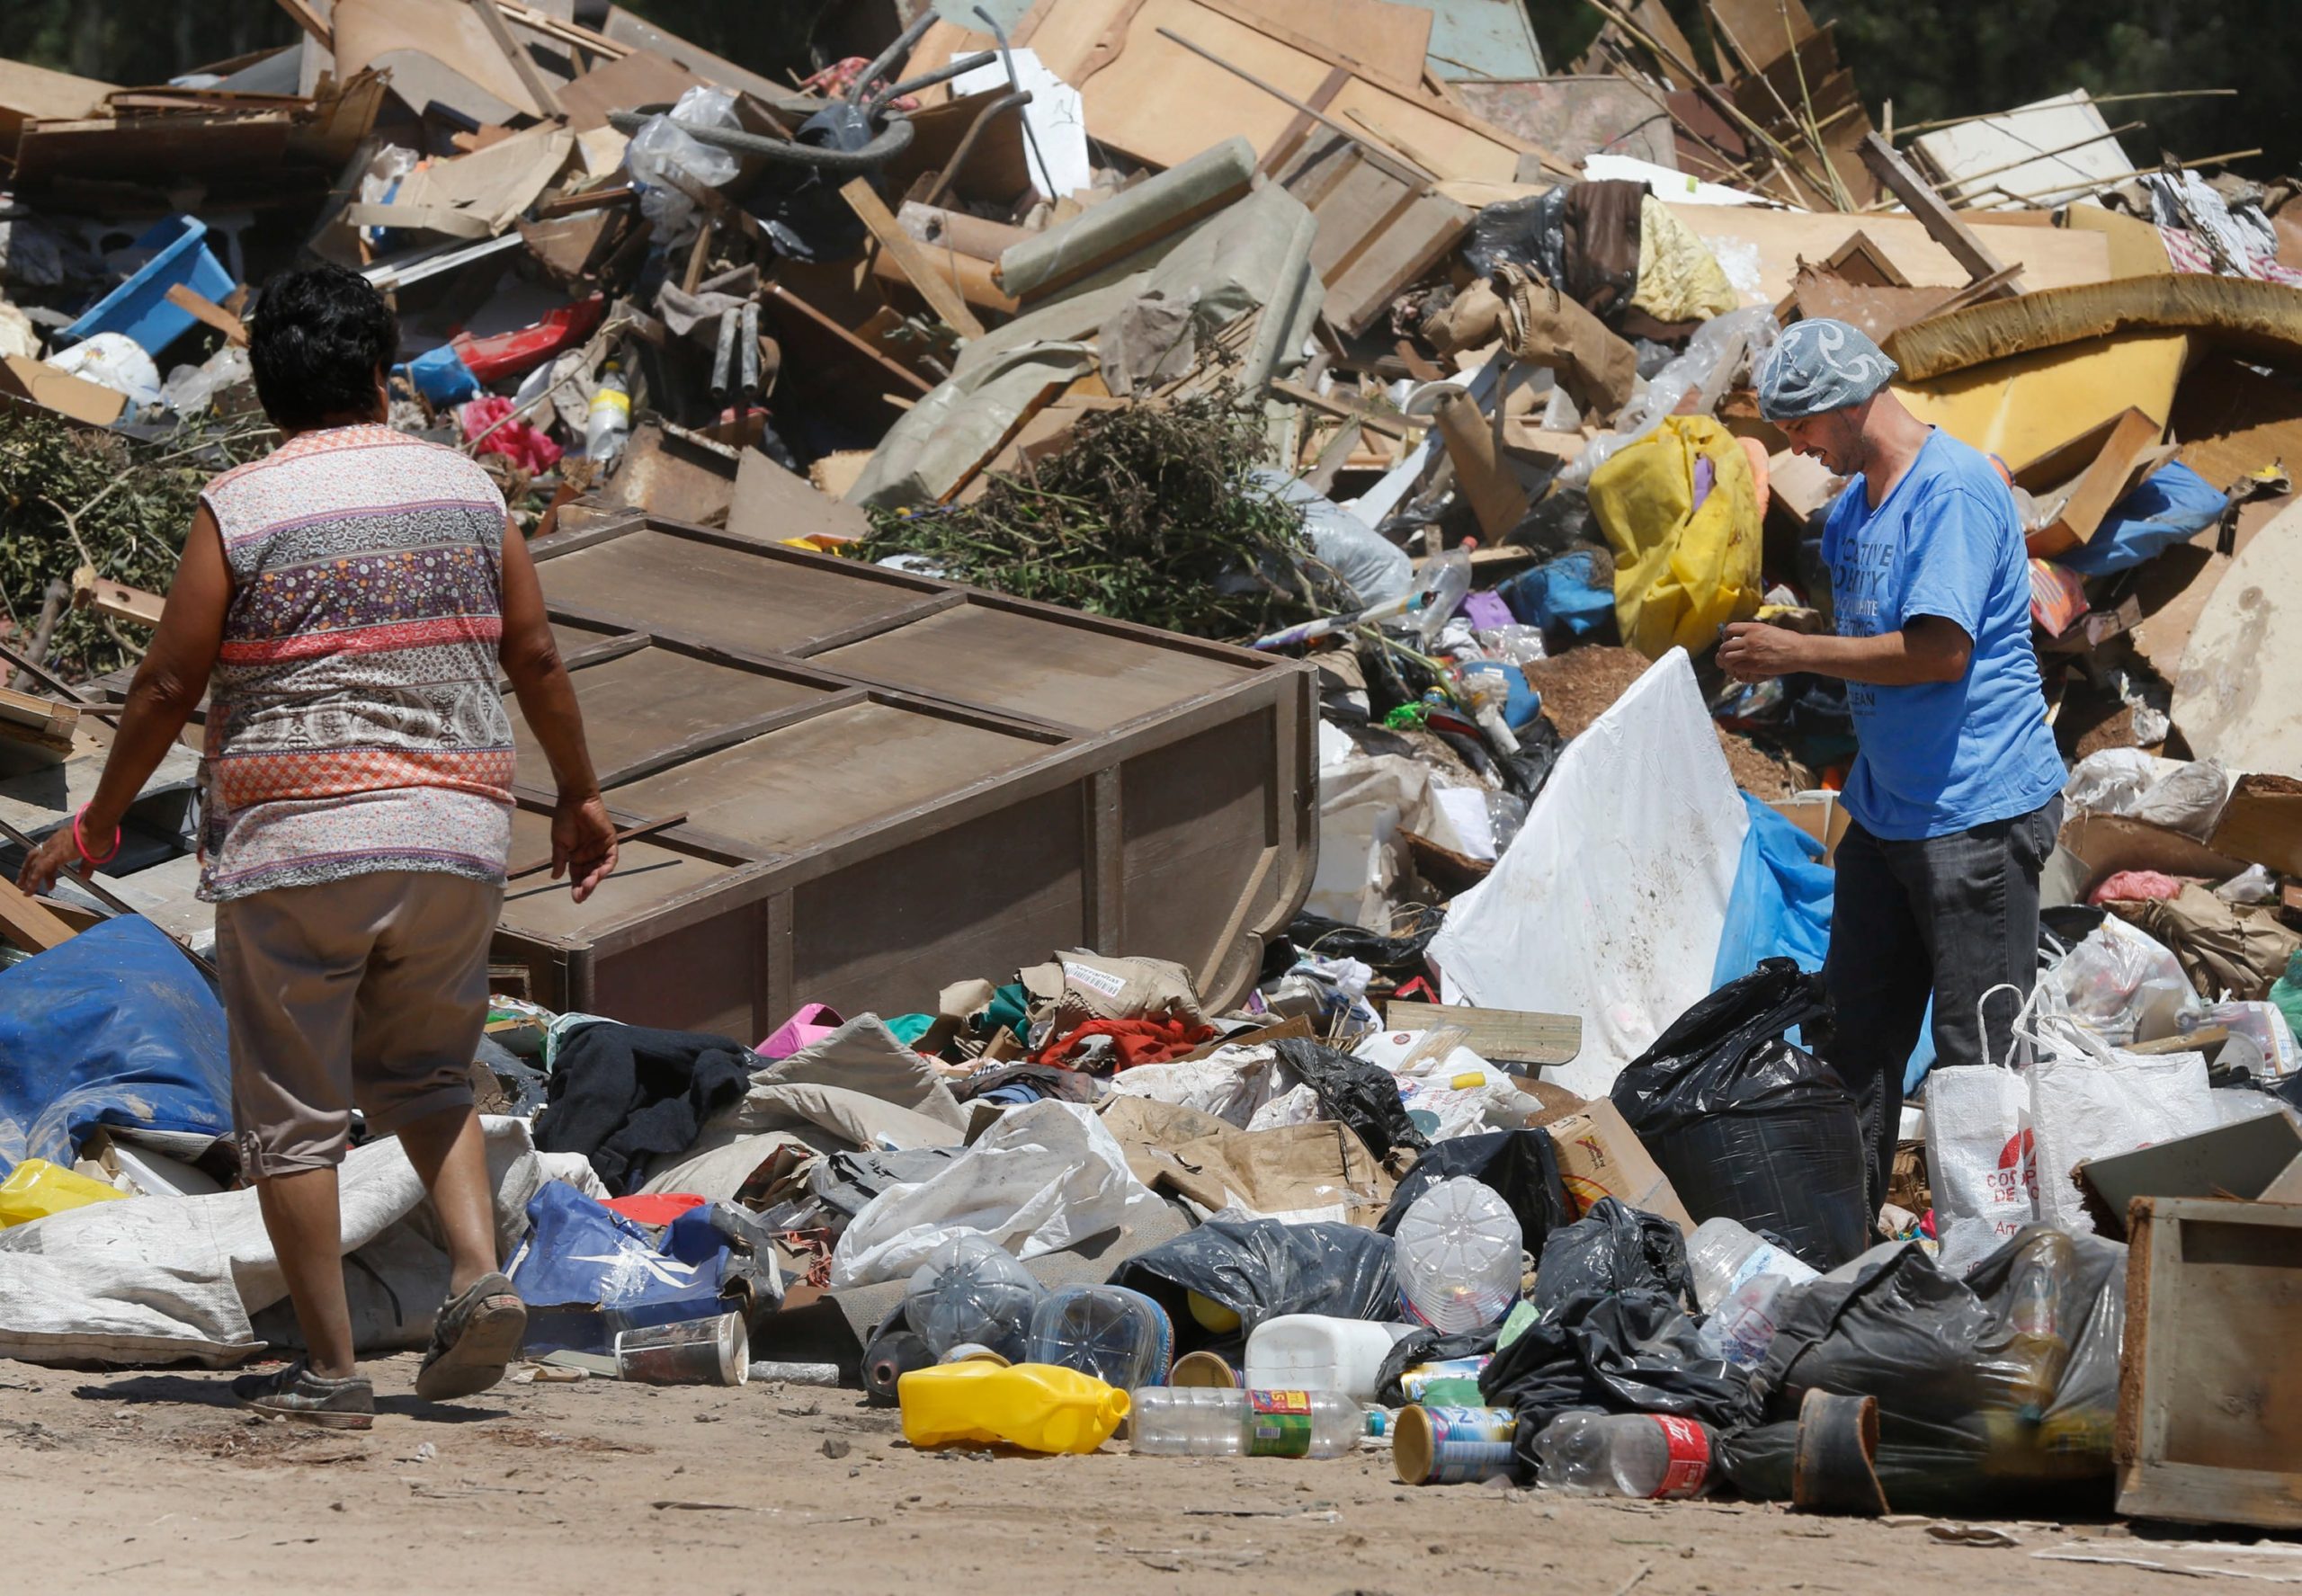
{"x":522,"y":63}
{"x":1512,"y":1036}
{"x":902,"y":377}
{"x":2118,"y":461}
{"x":42,"y":722}
{"x":201,"y":309}
{"x":643,"y":78}
{"x":1390,"y":423}
{"x":1919,"y":197}
{"x":115,"y":599}
{"x":2209,"y":1421}
{"x":29,"y":923}
{"x":2262,"y":824}
{"x":310,"y":22}
{"x":941,"y":297}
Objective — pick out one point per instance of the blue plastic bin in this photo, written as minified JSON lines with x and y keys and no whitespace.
{"x":139,"y":307}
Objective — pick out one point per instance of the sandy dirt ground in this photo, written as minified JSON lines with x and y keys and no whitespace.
{"x":154,"y":1481}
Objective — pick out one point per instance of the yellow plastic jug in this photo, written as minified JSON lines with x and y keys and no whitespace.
{"x":36,"y":1188}
{"x":1034,"y":1406}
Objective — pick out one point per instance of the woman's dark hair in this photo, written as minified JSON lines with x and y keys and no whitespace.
{"x":317,"y":338}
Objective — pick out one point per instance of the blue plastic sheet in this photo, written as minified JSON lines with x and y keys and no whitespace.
{"x":1567,"y":593}
{"x":586,"y":1272}
{"x":1780,"y":906}
{"x":115,"y":1027}
{"x":2173,"y":506}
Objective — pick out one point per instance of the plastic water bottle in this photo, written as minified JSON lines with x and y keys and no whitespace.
{"x":1723,"y":1255}
{"x":1201,"y":1421}
{"x":1319,"y":1353}
{"x":1459,"y":1254}
{"x":1743,"y":1327}
{"x":972,"y":1290}
{"x":1642,"y":1455}
{"x":608,"y":421}
{"x":1120,"y":1336}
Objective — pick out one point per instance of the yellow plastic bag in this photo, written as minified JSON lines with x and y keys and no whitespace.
{"x":1680,"y":571}
{"x":36,"y":1188}
{"x":1038,"y":1407}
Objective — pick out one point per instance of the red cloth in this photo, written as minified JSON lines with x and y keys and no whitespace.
{"x":657,"y":1207}
{"x":1136,"y":1041}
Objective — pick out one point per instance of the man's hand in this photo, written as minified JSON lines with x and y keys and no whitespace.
{"x":51,"y":859}
{"x":583,"y":843}
{"x":1751,"y":651}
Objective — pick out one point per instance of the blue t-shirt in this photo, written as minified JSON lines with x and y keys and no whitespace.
{"x":1942,"y":756}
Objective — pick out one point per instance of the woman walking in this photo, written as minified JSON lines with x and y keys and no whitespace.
{"x":350,"y":599}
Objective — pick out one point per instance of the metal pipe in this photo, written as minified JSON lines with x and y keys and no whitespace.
{"x":928,"y":80}
{"x":1015,"y":85}
{"x":902,"y":45}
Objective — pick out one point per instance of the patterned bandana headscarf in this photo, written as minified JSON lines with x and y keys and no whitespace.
{"x":1819,"y":364}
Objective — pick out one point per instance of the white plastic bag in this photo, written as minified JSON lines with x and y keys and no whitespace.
{"x":2188,"y":798}
{"x":116,"y":361}
{"x":1980,"y":1159}
{"x":1232,"y":1084}
{"x":2123,"y":983}
{"x":2109,"y":781}
{"x":1047,"y":1176}
{"x":660,"y":149}
{"x":2092,"y":1100}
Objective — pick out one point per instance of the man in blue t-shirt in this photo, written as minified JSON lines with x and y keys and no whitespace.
{"x":1955,"y":798}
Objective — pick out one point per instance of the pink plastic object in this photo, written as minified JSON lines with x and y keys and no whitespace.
{"x":516,"y":440}
{"x":2135,"y":887}
{"x":811,"y":1024}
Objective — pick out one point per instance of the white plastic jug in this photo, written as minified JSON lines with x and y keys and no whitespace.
{"x":1313,"y":1352}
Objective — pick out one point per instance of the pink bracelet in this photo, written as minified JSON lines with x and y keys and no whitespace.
{"x":80,"y":841}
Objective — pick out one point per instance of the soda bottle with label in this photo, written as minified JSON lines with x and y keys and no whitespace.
{"x":1176,"y":1421}
{"x":1642,"y":1455}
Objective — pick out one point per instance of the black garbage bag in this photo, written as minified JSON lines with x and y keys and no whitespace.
{"x":1997,"y":1393}
{"x":1530,"y":232}
{"x":1748,"y":1126}
{"x":1631,"y":1353}
{"x":1397,"y":957}
{"x":1259,"y":1268}
{"x":1428,"y":1346}
{"x":1358,"y":1091}
{"x":1519,"y":1166}
{"x":1612,"y":1248}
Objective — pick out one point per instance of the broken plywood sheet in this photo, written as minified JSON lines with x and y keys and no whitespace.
{"x":1982,"y":163}
{"x":1575,"y":117}
{"x":1079,"y":38}
{"x":2054,"y":257}
{"x":2023,"y":408}
{"x":29,"y":94}
{"x":2234,"y":695}
{"x":1155,"y":100}
{"x":773,"y":505}
{"x":449,"y":32}
{"x":1473,"y":40}
{"x":2232,"y":421}
{"x":477,"y":195}
{"x":643,"y":78}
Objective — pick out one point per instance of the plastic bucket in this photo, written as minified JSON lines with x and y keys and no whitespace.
{"x":686,"y":1352}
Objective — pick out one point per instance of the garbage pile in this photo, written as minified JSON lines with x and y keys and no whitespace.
{"x":1512,"y":1158}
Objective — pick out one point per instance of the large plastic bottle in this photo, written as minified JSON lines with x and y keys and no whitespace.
{"x":1459,"y":1255}
{"x":1643,"y":1454}
{"x":1318,"y":1353}
{"x":1120,"y":1336}
{"x":972,"y":1290}
{"x":1723,"y":1254}
{"x":2039,"y":1312}
{"x":607,"y":422}
{"x":1743,"y":1327}
{"x":1033,"y":1405}
{"x":1200,"y":1422}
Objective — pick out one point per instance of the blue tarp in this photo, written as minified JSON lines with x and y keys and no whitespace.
{"x":115,"y":1027}
{"x":2171,"y":506}
{"x":586,"y":1272}
{"x":1781,"y":903}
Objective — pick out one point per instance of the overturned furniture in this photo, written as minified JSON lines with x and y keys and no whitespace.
{"x":879,"y":779}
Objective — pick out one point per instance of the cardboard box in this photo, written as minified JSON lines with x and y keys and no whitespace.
{"x":1599,"y":1156}
{"x":71,"y":397}
{"x":1819,"y":814}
